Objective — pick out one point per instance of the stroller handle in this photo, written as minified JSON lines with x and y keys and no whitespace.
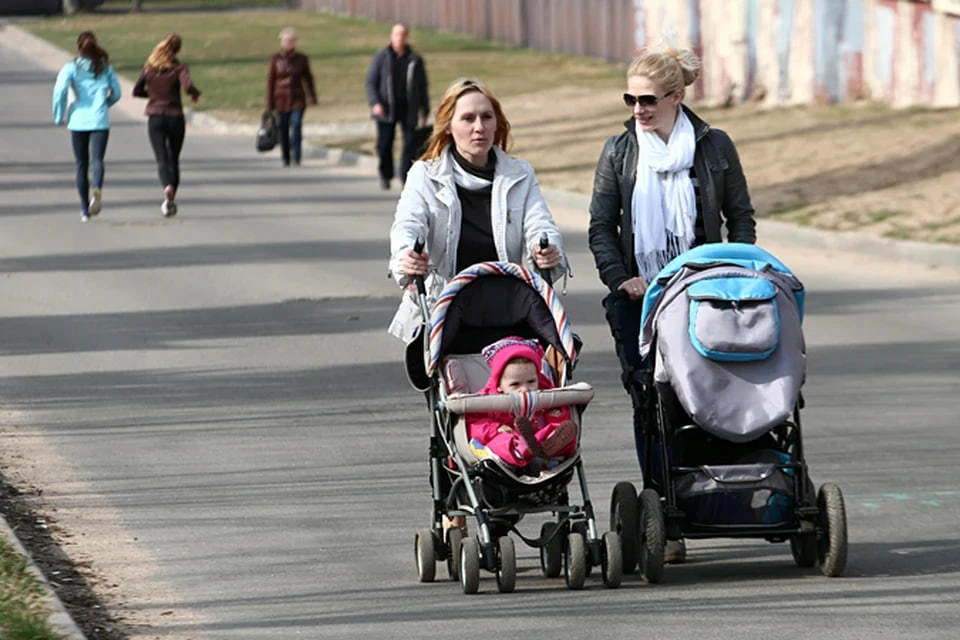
{"x":545,"y":273}
{"x":418,"y":279}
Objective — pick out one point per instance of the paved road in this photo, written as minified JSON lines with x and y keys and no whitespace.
{"x":214,"y":410}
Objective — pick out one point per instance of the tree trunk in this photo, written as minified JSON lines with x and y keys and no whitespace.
{"x":70,"y":7}
{"x":136,"y":6}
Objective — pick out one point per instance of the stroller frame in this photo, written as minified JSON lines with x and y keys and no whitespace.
{"x":572,"y":539}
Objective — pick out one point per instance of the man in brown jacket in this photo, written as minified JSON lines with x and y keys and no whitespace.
{"x":289,"y":72}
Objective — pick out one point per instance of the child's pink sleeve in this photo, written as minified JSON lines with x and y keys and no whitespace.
{"x":482,"y":427}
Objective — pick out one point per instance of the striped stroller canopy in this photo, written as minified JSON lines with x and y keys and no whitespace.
{"x":486,"y":269}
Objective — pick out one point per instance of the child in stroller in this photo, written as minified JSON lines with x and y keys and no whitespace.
{"x":482,"y":305}
{"x":541,"y":440}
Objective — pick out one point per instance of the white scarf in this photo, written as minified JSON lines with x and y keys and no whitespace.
{"x":664,"y":206}
{"x":467,"y":180}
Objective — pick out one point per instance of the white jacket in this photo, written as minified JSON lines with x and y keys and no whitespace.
{"x":429,"y":207}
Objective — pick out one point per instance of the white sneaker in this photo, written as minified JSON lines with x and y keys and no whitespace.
{"x":95,"y":203}
{"x":169,"y":207}
{"x":84,"y":217}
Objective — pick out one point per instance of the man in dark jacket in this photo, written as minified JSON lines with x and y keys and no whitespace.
{"x":397,"y":93}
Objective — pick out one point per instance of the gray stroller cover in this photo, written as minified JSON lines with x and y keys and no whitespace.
{"x":723,"y":322}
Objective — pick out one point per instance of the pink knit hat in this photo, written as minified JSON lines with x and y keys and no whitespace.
{"x":503,"y":351}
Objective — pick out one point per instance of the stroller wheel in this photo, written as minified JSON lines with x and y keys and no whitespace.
{"x":506,"y":565}
{"x":575,"y":561}
{"x":551,"y":554}
{"x":470,"y":565}
{"x":424,"y":547}
{"x":611,"y":562}
{"x":623,"y":520}
{"x":582,"y":529}
{"x":832,"y":531}
{"x":651,"y":537}
{"x":454,"y":542}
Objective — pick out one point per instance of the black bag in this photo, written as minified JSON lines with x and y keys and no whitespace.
{"x":421,"y":136}
{"x":267,"y":133}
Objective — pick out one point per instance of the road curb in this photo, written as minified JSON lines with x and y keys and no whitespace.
{"x":60,"y":620}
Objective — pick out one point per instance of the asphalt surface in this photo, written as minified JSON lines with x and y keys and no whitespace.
{"x":214,"y":409}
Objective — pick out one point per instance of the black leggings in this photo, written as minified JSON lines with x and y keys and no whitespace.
{"x":166,"y":137}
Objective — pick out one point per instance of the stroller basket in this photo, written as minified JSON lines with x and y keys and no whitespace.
{"x":739,"y":495}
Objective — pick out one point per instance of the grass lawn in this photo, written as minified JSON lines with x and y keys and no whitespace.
{"x":227,"y":52}
{"x":22,"y":612}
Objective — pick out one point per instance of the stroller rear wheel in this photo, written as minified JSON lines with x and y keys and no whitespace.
{"x":551,"y":553}
{"x":575,"y":561}
{"x":623,"y":520}
{"x":506,"y":565}
{"x":424,"y":547}
{"x":832,"y":531}
{"x":470,"y":565}
{"x":651,"y":537}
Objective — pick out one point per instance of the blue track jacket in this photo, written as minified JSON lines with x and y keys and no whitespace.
{"x":93,"y":95}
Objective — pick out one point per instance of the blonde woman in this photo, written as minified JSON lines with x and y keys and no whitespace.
{"x":661,"y":187}
{"x":163,"y":79}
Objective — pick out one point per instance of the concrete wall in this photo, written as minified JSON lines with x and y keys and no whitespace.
{"x":784,"y":52}
{"x":778,"y":52}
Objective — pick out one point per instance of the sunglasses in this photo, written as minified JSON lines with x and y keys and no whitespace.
{"x":646,"y":100}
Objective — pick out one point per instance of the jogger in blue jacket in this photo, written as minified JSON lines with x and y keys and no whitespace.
{"x":94,"y":89}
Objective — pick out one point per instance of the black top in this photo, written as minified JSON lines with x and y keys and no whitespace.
{"x":476,"y":228}
{"x":399,"y":78}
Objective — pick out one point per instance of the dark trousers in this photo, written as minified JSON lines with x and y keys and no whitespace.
{"x":166,"y":137}
{"x":386,"y":131}
{"x":291,"y":134}
{"x":89,"y":147}
{"x":623,"y":316}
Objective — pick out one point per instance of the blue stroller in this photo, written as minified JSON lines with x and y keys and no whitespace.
{"x":720,"y":385}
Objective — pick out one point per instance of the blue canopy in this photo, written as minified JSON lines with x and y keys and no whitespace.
{"x":748,"y":256}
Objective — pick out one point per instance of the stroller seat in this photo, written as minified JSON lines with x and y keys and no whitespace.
{"x":465,"y":374}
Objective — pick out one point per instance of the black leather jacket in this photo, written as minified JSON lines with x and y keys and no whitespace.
{"x":723,"y":187}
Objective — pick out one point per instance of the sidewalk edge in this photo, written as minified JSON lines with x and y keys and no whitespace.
{"x":60,"y":620}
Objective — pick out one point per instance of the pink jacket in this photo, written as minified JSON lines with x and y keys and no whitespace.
{"x":483,"y":427}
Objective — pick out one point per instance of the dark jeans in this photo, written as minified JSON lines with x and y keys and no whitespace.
{"x":166,"y":137}
{"x":386,"y":131}
{"x":623,"y":316}
{"x":89,"y":147}
{"x":290,"y":140}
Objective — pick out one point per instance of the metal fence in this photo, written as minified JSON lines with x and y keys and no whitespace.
{"x":598,"y":28}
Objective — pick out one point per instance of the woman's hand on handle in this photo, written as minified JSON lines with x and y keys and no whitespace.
{"x":634,"y":287}
{"x":414,"y":264}
{"x":547,"y":257}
